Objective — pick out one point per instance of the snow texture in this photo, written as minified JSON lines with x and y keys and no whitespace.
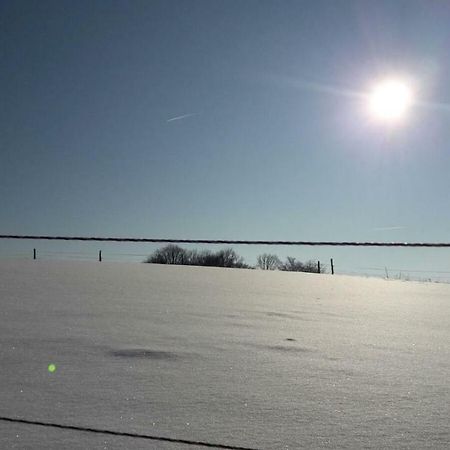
{"x":268,"y":360}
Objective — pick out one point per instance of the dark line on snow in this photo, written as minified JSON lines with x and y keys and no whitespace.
{"x":123,"y":434}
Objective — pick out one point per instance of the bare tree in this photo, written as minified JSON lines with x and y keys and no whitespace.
{"x":292,"y":265}
{"x":229,"y":258}
{"x":313,"y":267}
{"x":173,"y":254}
{"x":267,"y":261}
{"x":170,"y":254}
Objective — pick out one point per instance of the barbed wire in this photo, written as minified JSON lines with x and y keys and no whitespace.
{"x":231,"y":241}
{"x":106,"y":254}
{"x":89,"y":255}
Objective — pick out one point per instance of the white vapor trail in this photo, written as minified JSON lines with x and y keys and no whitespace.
{"x":184,"y":116}
{"x":387,"y":228}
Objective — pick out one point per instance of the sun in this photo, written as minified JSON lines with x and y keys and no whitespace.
{"x":390,"y":100}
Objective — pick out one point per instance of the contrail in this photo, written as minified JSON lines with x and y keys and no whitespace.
{"x":184,"y":116}
{"x":387,"y":228}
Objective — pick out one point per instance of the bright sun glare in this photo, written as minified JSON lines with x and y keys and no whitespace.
{"x":390,"y":100}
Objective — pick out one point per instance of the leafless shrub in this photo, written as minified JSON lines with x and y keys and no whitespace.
{"x":173,"y":254}
{"x":170,"y":254}
{"x":267,"y":261}
{"x":292,"y":265}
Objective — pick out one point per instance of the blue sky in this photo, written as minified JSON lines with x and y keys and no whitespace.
{"x":266,"y":151}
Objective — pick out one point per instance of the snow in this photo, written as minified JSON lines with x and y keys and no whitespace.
{"x":268,"y":360}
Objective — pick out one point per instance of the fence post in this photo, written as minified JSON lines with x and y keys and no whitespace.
{"x":318,"y":266}
{"x":34,"y":253}
{"x":332,"y":267}
{"x":100,"y":256}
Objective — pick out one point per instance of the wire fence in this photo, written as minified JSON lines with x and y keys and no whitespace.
{"x":398,"y":274}
{"x":105,"y":256}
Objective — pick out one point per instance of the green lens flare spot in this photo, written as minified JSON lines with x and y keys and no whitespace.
{"x":51,"y":368}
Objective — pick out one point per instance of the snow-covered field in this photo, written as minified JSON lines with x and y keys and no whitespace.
{"x":267,"y":360}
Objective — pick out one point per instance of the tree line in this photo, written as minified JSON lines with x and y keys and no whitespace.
{"x":227,"y":257}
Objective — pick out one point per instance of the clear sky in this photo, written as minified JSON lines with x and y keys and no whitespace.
{"x":226,"y":119}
